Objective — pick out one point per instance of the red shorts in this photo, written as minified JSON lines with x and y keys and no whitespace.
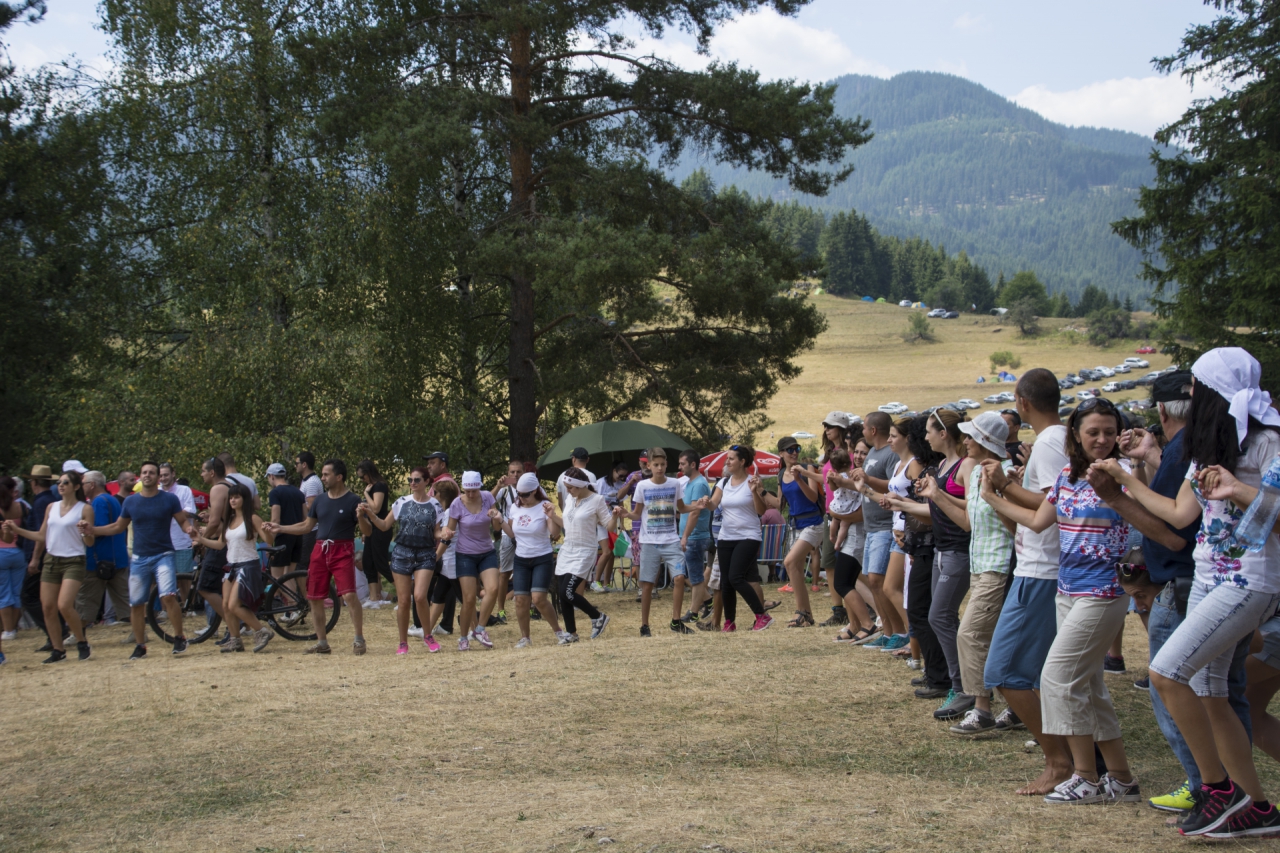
{"x":331,"y":558}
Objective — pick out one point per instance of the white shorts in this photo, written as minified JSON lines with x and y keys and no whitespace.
{"x":812,"y":536}
{"x":713,"y":578}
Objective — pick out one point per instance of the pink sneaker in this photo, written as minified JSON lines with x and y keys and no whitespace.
{"x":464,"y":644}
{"x":403,"y":649}
{"x":729,"y":627}
{"x":431,"y":644}
{"x":764,"y":620}
{"x":481,"y":636}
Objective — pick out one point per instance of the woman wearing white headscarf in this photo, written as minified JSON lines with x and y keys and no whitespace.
{"x":1231,"y":439}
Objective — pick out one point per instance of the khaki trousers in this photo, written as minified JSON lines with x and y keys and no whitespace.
{"x":1073,"y":694}
{"x":973,"y":641}
{"x":89,"y":598}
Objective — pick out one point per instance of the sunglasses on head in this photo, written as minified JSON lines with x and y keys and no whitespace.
{"x":1130,"y":572}
{"x":1009,"y":412}
{"x":1095,"y":403}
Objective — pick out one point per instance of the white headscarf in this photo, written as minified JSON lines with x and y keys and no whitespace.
{"x":1235,"y":374}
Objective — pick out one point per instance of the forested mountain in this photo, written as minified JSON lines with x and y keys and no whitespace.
{"x":962,"y":167}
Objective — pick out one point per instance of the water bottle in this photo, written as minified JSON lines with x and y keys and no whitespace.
{"x":1259,"y":519}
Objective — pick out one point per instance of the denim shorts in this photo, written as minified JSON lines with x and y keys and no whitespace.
{"x":695,"y":560}
{"x":145,"y":571}
{"x":533,"y":574}
{"x":1199,"y":652}
{"x":875,"y":553}
{"x":1270,"y":654}
{"x":406,"y":560}
{"x":653,"y":555}
{"x":471,"y":565}
{"x":13,"y":571}
{"x":1025,"y":631}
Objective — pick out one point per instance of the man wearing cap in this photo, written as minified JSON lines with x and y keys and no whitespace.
{"x":42,"y":494}
{"x":578,"y":459}
{"x":288,"y":506}
{"x":437,"y":469}
{"x":1170,"y":567}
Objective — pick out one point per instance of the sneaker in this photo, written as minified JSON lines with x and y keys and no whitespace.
{"x":705,"y":612}
{"x":645,"y":632}
{"x":415,"y":631}
{"x":975,"y":722}
{"x":874,"y":637}
{"x":1121,"y":792}
{"x":955,"y":706}
{"x":689,"y":617}
{"x":430,"y":642}
{"x":128,"y":638}
{"x":224,"y":639}
{"x":47,"y":647}
{"x":236,"y":645}
{"x":877,"y":643}
{"x":464,"y":644}
{"x":928,"y":692}
{"x":1077,"y":791}
{"x":1113,"y":666}
{"x":785,"y":588}
{"x":598,"y":625}
{"x":1179,"y":800}
{"x":838,"y":617}
{"x":318,"y":649}
{"x":1143,"y":683}
{"x":729,"y":627}
{"x":524,"y":643}
{"x":919,"y":681}
{"x":481,"y":636}
{"x":563,"y":638}
{"x":897,"y":641}
{"x":83,"y":650}
{"x":915,"y":663}
{"x":1008,"y":721}
{"x":371,"y":604}
{"x":679,"y":627}
{"x":1215,"y":809}
{"x":358,"y":646}
{"x":764,"y":620}
{"x":1251,"y":823}
{"x":493,"y":621}
{"x":261,"y":637}
{"x":442,"y":631}
{"x":180,"y":645}
{"x":56,"y":656}
{"x":596,"y":586}
{"x":500,"y":618}
{"x":8,"y":635}
{"x":139,"y":652}
{"x":402,"y":649}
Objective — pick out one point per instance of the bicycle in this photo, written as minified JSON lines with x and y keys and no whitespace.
{"x":283,"y":607}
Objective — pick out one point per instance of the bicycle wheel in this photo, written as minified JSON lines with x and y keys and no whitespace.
{"x":195,"y":623}
{"x":286,"y":608}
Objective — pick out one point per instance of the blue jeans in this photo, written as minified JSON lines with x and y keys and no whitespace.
{"x":695,"y":560}
{"x":471,"y":565}
{"x":875,"y":552}
{"x":13,"y":571}
{"x":1161,"y":624}
{"x":145,"y":571}
{"x":533,"y":574}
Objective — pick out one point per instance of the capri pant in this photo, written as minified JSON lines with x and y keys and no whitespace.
{"x":1199,"y":651}
{"x":846,"y":573}
{"x":737,"y":564}
{"x":567,"y":588}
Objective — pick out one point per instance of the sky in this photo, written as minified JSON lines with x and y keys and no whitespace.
{"x":1087,"y":62}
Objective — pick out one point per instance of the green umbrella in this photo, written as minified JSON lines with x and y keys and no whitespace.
{"x":610,"y":442}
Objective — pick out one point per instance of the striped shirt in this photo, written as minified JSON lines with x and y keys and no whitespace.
{"x":1092,"y":539}
{"x":990,"y":542}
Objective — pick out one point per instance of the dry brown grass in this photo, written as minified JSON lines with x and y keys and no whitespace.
{"x":746,"y":742}
{"x":861,"y":362}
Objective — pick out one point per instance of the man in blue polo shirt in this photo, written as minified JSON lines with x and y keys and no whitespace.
{"x":107,"y":561}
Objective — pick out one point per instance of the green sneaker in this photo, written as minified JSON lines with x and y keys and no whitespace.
{"x":877,"y":643}
{"x":1175,"y":801}
{"x":894,"y":643}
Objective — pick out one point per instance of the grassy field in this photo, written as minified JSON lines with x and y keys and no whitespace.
{"x":777,"y":741}
{"x":861,"y":362}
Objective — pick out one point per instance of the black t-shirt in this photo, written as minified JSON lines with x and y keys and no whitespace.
{"x":335,"y":517}
{"x":380,"y":488}
{"x":292,"y":503}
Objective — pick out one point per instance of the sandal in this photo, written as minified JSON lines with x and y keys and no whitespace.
{"x":860,"y":636}
{"x":845,"y":636}
{"x":803,"y":619}
{"x":770,"y":605}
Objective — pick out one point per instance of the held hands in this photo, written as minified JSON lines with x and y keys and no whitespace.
{"x":993,"y":473}
{"x":927,"y":487}
{"x":271,"y":527}
{"x":82,"y":526}
{"x":1103,"y":483}
{"x":619,"y":512}
{"x":548,"y":509}
{"x":1217,"y":483}
{"x":1112,"y":468}
{"x":754,"y":480}
{"x":494,"y":515}
{"x":859,"y":478}
{"x":702,"y":503}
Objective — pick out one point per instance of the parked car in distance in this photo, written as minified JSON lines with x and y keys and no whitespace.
{"x":1134,"y":361}
{"x":802,"y":434}
{"x":1064,"y":384}
{"x":906,"y":303}
{"x":1173,"y":368}
{"x":1065,"y":411}
{"x":1139,"y":405}
{"x":1128,"y":384}
{"x":893,"y":408}
{"x":937,"y":313}
{"x":1104,"y":371}
{"x":1122,"y":368}
{"x":992,"y":398}
{"x":1145,"y":350}
{"x":1006,"y":397}
{"x":951,"y":315}
{"x":1111,"y":387}
{"x":968,"y":403}
{"x":1084,"y":395}
{"x":1067,"y":401}
{"x":955,"y":407}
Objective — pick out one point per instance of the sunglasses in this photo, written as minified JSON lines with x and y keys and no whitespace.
{"x":791,"y":449}
{"x":527,"y":494}
{"x":1129,"y":572}
{"x":1009,"y":412}
{"x":1095,"y":403}
{"x":64,"y":482}
{"x":416,"y":480}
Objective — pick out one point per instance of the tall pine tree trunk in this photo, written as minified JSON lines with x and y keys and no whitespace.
{"x":521,"y":373}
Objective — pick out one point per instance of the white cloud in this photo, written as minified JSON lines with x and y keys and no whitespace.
{"x":967,"y":22}
{"x":1129,"y":103}
{"x":778,"y":47}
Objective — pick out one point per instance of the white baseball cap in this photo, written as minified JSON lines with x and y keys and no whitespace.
{"x":471,"y":480}
{"x":74,"y":465}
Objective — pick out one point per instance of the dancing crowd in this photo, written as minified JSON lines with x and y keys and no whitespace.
{"x":997,"y":570}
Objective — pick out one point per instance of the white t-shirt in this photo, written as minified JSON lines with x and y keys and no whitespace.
{"x":738,"y":511}
{"x":181,"y":541}
{"x":1219,"y":558}
{"x":449,"y":566}
{"x":658,"y":518}
{"x":529,"y":524}
{"x":582,"y":520}
{"x":1038,"y":552}
{"x":563,"y":493}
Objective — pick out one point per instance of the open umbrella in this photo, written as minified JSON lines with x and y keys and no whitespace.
{"x":766,"y":464}
{"x":610,"y":442}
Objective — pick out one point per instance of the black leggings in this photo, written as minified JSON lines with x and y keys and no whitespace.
{"x":846,"y":574}
{"x":737,"y":563}
{"x":377,"y":557}
{"x":566,"y":589}
{"x":919,"y":600}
